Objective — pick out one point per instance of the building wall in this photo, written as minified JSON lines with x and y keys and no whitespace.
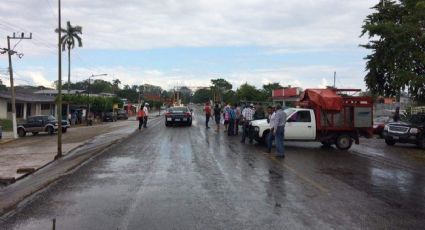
{"x":3,"y":109}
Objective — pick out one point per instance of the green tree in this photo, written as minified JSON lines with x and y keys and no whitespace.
{"x":219,"y":86}
{"x":2,"y":86}
{"x":202,"y":95}
{"x":396,"y":31}
{"x":100,"y":86}
{"x":268,"y":90}
{"x":116,"y":85}
{"x":247,"y":92}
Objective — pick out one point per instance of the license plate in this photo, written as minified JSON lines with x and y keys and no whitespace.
{"x":396,"y":137}
{"x":177,"y":119}
{"x":169,"y":119}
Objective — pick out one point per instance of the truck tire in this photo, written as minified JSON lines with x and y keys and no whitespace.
{"x":343,"y":142}
{"x":390,"y":142}
{"x":21,"y":132}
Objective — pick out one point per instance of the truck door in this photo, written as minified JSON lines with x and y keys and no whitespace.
{"x":299,"y":126}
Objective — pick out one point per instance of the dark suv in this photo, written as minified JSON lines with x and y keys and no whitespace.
{"x":38,"y":124}
{"x":411,"y":131}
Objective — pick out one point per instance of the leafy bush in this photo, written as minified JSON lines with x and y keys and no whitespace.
{"x":6,"y":125}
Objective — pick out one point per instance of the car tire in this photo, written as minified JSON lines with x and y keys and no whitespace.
{"x":21,"y":132}
{"x":344,"y":142}
{"x":34,"y":133}
{"x":64,"y":130}
{"x":50,"y":130}
{"x":390,"y":142}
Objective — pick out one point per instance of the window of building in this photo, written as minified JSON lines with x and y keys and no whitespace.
{"x":45,"y":106}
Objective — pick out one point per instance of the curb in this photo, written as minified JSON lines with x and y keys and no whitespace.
{"x":74,"y":159}
{"x":7,"y":141}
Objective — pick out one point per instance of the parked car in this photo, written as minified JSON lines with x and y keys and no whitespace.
{"x":122,"y":114}
{"x":379,"y":124}
{"x":110,"y":116}
{"x":37,"y":124}
{"x":178,"y":115}
{"x":326,"y":117}
{"x":411,"y":131}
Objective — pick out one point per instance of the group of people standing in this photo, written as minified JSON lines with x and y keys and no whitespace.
{"x":142,"y":116}
{"x":235,"y":115}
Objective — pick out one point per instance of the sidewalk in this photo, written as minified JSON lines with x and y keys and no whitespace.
{"x":32,"y":152}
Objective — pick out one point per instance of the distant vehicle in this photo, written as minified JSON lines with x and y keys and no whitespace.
{"x":37,"y":124}
{"x":326,"y":117}
{"x":379,"y":124}
{"x":411,"y":131}
{"x":110,"y":116}
{"x":178,"y":115}
{"x":122,"y":114}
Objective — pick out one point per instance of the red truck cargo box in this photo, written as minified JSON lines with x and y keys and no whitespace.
{"x":325,"y":99}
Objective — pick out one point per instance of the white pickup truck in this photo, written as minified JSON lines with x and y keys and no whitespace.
{"x":301,"y":126}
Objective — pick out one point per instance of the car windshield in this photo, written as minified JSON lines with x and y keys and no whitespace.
{"x":178,"y":110}
{"x":51,"y":118}
{"x":289,"y":111}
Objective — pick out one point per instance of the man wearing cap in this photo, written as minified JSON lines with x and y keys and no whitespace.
{"x":247,"y":117}
{"x":146,"y":114}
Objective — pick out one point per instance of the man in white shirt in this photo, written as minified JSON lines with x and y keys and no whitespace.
{"x":145,"y":118}
{"x":247,"y":116}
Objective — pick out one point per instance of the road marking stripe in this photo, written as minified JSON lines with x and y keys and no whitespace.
{"x":300,"y":175}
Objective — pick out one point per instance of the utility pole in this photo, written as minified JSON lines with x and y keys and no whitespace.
{"x":11,"y":52}
{"x":59,"y":101}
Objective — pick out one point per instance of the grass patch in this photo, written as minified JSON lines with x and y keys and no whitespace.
{"x":6,"y":125}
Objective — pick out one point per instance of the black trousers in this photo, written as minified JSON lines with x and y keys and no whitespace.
{"x":207,"y":119}
{"x":141,"y":121}
{"x":145,"y":121}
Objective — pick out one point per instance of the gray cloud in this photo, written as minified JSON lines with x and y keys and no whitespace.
{"x":144,"y":24}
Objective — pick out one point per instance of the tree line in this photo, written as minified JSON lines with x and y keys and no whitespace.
{"x":222,"y":91}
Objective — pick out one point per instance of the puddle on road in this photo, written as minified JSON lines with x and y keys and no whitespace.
{"x":399,"y":189}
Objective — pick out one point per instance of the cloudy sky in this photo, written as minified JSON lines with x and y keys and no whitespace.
{"x":189,"y":42}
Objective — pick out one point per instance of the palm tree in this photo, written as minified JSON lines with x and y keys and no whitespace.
{"x":70,"y":34}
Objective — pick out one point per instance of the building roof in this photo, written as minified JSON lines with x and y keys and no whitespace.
{"x":27,"y":97}
{"x":55,"y":92}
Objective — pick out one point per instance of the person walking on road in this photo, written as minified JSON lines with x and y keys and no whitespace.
{"x":232,"y":118}
{"x":140,"y":117}
{"x":207,"y":110}
{"x":226,"y":117}
{"x":279,"y":130}
{"x":247,"y":116}
{"x":238,"y":118}
{"x":146,"y":114}
{"x":217,"y":115}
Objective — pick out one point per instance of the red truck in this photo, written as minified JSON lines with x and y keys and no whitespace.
{"x":327,"y":116}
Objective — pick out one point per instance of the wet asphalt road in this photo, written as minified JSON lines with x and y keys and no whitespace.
{"x":193,"y":178}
